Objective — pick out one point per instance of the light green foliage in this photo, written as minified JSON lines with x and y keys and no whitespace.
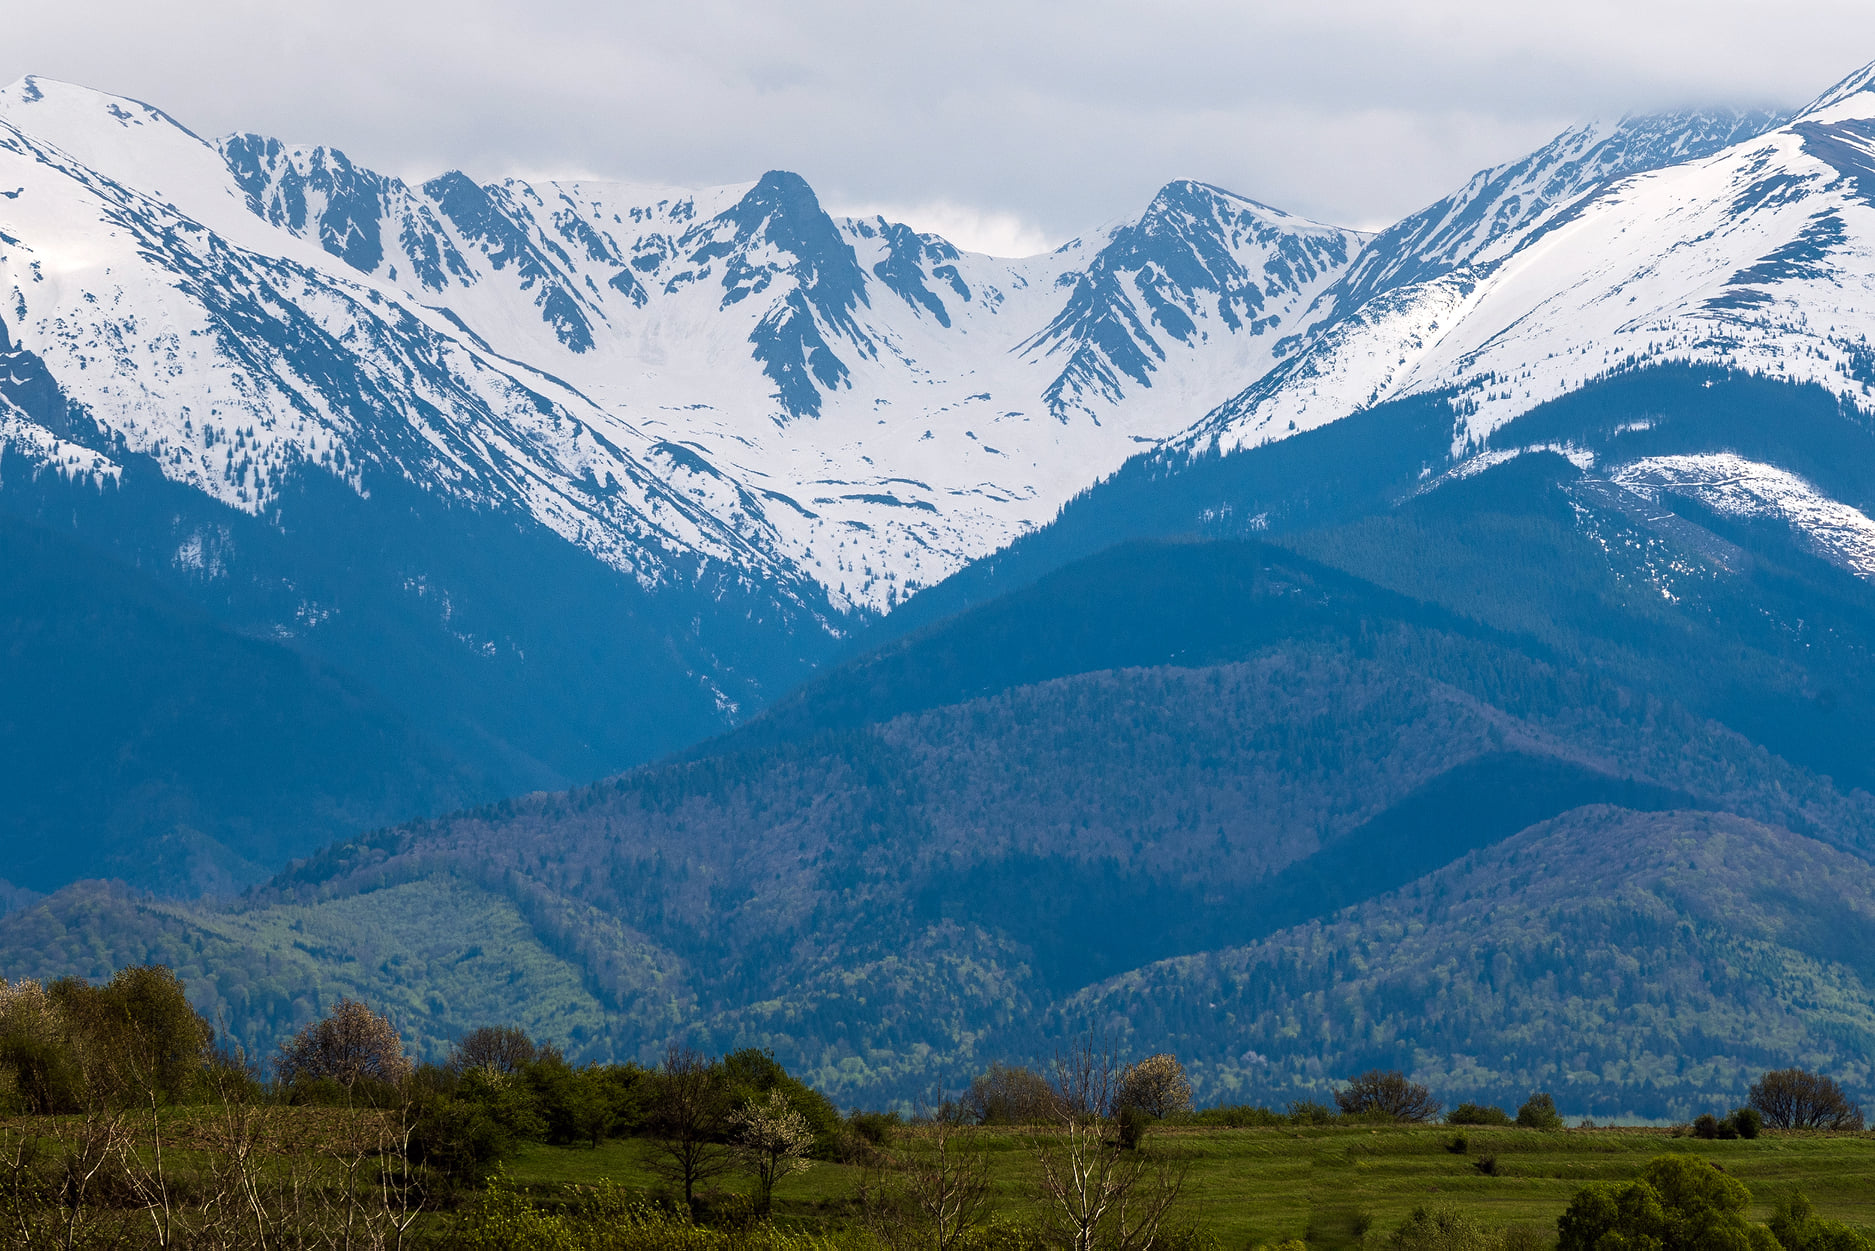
{"x":1442,"y":1227}
{"x":1539,"y":1112}
{"x":74,"y":1046}
{"x":1799,"y":1228}
{"x":1680,"y":1203}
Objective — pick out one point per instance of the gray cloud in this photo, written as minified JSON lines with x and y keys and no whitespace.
{"x":1025,"y":120}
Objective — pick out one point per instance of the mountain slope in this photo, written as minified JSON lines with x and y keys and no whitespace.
{"x":919,"y":862}
{"x":1500,"y":201}
{"x":1628,"y":963}
{"x":194,"y":757}
{"x":571,"y":474}
{"x":1752,"y":258}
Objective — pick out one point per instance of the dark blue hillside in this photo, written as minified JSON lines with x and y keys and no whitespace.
{"x":143,"y":740}
{"x":515,"y":659}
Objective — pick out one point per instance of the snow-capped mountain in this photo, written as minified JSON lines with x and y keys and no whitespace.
{"x":1756,"y":257}
{"x":764,"y":422}
{"x":571,"y":473}
{"x":1499,"y":201}
{"x":894,"y":406}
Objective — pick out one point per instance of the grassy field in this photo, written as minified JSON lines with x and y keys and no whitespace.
{"x":1252,"y":1186}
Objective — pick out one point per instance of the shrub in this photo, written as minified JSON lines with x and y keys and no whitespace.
{"x":1309,"y":1112}
{"x":1338,"y":1225}
{"x":1156,"y":1086}
{"x":876,"y":1128}
{"x":1389,"y":1094}
{"x":1477,"y":1114}
{"x":1680,"y":1203}
{"x":1798,"y":1099}
{"x":1132,"y":1124}
{"x":1539,"y":1112}
{"x":1486,"y":1164}
{"x":1706,"y":1126}
{"x":1459,"y":1144}
{"x":1745,"y":1122}
{"x":1442,"y":1228}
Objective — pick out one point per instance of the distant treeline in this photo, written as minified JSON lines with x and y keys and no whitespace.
{"x":100,"y":1084}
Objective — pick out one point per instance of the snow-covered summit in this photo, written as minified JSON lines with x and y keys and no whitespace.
{"x":834,"y":406}
{"x":1757,"y":256}
{"x":798,"y":396}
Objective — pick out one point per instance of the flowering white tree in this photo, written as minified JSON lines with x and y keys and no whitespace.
{"x":1156,"y":1086}
{"x":772,"y":1140}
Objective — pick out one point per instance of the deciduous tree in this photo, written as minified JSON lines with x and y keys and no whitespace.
{"x":1388,"y":1093}
{"x":1799,"y":1099}
{"x":498,"y":1048}
{"x":772,"y":1140}
{"x":351,"y":1044}
{"x":1156,"y":1086}
{"x":688,"y":1118}
{"x":1094,"y":1191}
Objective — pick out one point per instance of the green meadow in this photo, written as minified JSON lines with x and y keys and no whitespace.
{"x":1248,"y":1187}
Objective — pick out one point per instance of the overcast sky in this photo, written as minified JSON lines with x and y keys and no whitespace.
{"x":1008,"y":126}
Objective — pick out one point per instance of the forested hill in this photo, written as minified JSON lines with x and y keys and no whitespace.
{"x":1228,"y":754}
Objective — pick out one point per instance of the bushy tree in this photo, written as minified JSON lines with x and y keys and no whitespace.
{"x":1799,"y":1099}
{"x":1387,"y":1093}
{"x":1156,"y":1086}
{"x":1539,"y":1112}
{"x":1442,"y":1228}
{"x":1799,"y":1228}
{"x":136,"y":1034}
{"x":39,"y":1072}
{"x":498,"y":1048}
{"x":771,"y":1139}
{"x":1477,"y":1114}
{"x":752,"y":1073}
{"x":579,"y":1104}
{"x":1680,"y":1203}
{"x":465,"y":1124}
{"x":349,"y":1045}
{"x":72,"y":1044}
{"x":1007,"y":1095}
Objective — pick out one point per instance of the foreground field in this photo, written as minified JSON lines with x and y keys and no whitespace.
{"x":1252,"y":1186}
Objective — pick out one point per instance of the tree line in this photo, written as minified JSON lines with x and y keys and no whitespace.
{"x":123,"y":1119}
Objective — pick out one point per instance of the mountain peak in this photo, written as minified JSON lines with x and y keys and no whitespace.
{"x":1189,"y":194}
{"x":57,"y":111}
{"x":1853,"y":97}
